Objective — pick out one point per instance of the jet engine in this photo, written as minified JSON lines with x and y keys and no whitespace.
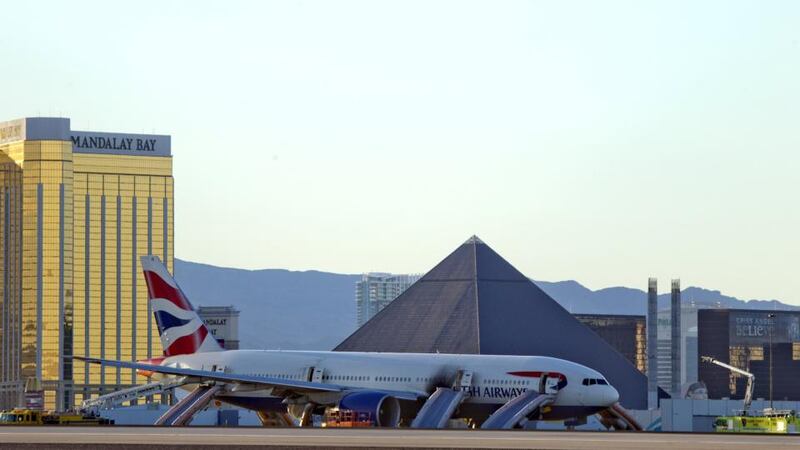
{"x":382,"y":409}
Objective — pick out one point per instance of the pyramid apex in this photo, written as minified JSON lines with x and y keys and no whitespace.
{"x":474,"y":239}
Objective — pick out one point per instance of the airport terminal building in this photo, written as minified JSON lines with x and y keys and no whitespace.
{"x":77,"y":209}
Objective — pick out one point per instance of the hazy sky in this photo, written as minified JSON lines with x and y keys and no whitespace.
{"x":600,"y":141}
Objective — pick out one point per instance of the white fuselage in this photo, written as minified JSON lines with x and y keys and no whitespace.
{"x":496,"y":379}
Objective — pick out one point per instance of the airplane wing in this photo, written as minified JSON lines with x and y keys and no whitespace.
{"x":218,"y":376}
{"x":266,"y":382}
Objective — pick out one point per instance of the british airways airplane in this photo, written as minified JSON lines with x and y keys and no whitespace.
{"x":391,"y":389}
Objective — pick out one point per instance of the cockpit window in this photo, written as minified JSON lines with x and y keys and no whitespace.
{"x":591,"y":381}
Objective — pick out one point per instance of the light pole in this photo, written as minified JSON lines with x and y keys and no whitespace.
{"x":770,"y":316}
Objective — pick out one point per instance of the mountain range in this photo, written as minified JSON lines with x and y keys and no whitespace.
{"x":313,"y":310}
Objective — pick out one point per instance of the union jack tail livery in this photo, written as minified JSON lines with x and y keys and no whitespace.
{"x":181,"y":330}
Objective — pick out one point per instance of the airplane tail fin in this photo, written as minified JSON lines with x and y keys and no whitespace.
{"x":181,"y":330}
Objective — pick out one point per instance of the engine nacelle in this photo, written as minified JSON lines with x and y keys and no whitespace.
{"x":383,"y":409}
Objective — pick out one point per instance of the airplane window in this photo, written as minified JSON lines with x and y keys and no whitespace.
{"x":602,"y":381}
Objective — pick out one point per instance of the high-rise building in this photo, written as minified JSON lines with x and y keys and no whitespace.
{"x":765,"y":343}
{"x":652,"y":343}
{"x":223,"y":323}
{"x":77,"y":209}
{"x":675,"y":338}
{"x":376,"y":290}
{"x":627,"y":334}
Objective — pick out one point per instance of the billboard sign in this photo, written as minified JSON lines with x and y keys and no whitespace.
{"x":753,"y":328}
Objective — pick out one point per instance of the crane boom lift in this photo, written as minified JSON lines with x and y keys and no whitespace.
{"x":748,"y":392}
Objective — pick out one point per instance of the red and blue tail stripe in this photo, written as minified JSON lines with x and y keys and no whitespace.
{"x":181,"y":330}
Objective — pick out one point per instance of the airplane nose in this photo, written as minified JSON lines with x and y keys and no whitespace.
{"x":611,"y":396}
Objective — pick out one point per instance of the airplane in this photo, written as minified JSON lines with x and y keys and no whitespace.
{"x":390,"y":389}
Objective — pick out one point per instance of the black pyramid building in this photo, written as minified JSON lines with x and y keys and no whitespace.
{"x":473,"y":302}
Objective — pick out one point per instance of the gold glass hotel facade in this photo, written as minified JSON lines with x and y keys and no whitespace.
{"x":77,"y":209}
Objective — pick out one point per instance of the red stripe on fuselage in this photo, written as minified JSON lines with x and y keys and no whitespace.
{"x":158,"y":288}
{"x":188,"y":344}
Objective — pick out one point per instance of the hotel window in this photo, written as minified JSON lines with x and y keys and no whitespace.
{"x":796,"y":351}
{"x":757,"y":353}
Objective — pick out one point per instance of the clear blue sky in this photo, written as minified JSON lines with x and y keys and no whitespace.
{"x":601,"y":141}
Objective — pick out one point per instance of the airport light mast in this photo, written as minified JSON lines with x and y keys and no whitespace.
{"x":748,"y":393}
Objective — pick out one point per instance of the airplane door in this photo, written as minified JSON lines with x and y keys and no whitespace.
{"x":551,"y":385}
{"x":463,"y":379}
{"x":316,"y":375}
{"x":548,"y":384}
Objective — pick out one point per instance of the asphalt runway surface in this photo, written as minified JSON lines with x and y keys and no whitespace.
{"x":213,"y":437}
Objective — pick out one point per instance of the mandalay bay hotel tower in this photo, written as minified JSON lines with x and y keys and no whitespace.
{"x":77,"y":210}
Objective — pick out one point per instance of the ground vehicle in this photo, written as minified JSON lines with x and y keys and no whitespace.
{"x":767,"y":421}
{"x":21,"y":416}
{"x":772,"y":421}
{"x":336,"y":418}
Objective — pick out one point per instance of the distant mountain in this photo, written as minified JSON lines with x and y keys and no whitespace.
{"x":280,"y":309}
{"x":577,"y":298}
{"x":313,"y":310}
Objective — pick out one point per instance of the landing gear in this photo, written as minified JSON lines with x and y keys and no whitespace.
{"x":302,"y":413}
{"x":618,"y":419}
{"x":275,"y":419}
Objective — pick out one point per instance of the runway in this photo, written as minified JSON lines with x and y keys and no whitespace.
{"x":215,"y":437}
